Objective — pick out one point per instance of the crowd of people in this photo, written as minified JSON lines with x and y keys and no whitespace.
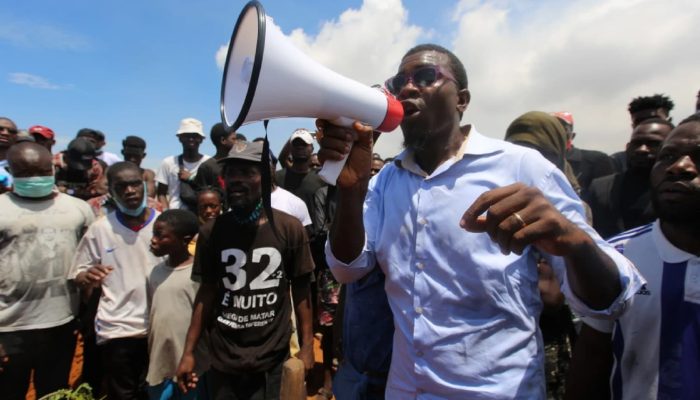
{"x":463,"y":267}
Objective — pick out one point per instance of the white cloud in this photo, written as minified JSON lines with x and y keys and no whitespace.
{"x":34,"y":81}
{"x":588,"y":57}
{"x":33,"y":34}
{"x":220,"y":56}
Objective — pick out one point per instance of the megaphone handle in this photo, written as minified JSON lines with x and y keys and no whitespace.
{"x":331,"y":169}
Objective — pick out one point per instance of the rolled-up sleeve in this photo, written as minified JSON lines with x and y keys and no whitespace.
{"x":558,"y":190}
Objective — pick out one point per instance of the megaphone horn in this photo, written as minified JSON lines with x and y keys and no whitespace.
{"x":267,"y":77}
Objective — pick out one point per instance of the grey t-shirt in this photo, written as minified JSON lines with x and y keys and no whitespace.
{"x":171,"y":295}
{"x":37,"y":242}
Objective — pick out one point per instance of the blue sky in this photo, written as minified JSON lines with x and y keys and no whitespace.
{"x":138,"y":67}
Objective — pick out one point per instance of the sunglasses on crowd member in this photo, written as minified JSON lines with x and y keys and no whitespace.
{"x":421,"y":77}
{"x":9,"y":130}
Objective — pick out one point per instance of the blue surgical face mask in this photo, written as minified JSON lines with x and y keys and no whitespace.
{"x":136,"y":211}
{"x":34,"y":186}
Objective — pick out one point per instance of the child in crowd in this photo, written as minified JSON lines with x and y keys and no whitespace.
{"x":171,"y":294}
{"x":210,"y":203}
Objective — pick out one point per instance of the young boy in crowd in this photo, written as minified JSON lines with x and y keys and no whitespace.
{"x":171,"y":294}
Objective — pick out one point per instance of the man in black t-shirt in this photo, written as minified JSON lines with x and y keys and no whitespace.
{"x":622,"y":201}
{"x":209,"y":173}
{"x":246,"y":266}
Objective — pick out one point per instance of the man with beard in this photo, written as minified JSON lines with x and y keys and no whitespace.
{"x":39,"y":232}
{"x":656,"y":344}
{"x":244,"y":298}
{"x":621,"y":201}
{"x":114,"y":255}
{"x":462,"y":286}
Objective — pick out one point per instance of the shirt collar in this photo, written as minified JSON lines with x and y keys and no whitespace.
{"x":475,"y":144}
{"x":667,"y":251}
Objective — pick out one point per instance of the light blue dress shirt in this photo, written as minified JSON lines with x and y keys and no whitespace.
{"x":466,"y":316}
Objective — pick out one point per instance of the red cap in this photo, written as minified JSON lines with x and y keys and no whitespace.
{"x":41,"y":130}
{"x":564,"y":116}
{"x":394,"y":114}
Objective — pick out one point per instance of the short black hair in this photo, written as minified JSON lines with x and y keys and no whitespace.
{"x":118,"y":167}
{"x":650,"y":103}
{"x":212,"y":189}
{"x":657,"y":120}
{"x":460,"y":74}
{"x":218,"y":131}
{"x":91,"y":132}
{"x":692,"y":118}
{"x":240,"y":136}
{"x":134,"y":141}
{"x":259,"y":139}
{"x":182,"y":222}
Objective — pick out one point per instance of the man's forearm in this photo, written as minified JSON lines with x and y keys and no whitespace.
{"x":203,"y":304}
{"x":593,"y":276}
{"x":347,"y":236}
{"x":302,"y":307}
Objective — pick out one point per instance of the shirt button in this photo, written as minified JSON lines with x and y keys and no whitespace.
{"x":420,"y":266}
{"x":419,"y":353}
{"x":419,"y":310}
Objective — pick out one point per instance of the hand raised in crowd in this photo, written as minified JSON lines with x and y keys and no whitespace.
{"x":186,"y":377}
{"x":337,"y":141}
{"x":517,"y":216}
{"x":94,"y":275}
{"x":184,"y":175}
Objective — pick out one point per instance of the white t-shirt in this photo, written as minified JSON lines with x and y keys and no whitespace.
{"x":655,"y":343}
{"x":167,"y":175}
{"x":38,"y":239}
{"x":171,"y":293}
{"x":287,"y":202}
{"x":123,"y":309}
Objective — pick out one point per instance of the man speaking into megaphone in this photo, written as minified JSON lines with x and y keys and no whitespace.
{"x":453,"y":223}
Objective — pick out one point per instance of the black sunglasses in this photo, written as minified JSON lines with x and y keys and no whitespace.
{"x":10,"y":130}
{"x":421,"y":77}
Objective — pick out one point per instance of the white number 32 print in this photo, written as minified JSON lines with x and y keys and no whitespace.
{"x":268,"y":278}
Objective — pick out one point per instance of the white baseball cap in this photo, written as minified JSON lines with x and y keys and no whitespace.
{"x":302,"y":134}
{"x":191,"y":125}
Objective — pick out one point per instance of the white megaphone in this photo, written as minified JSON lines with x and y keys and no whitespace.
{"x":267,"y":77}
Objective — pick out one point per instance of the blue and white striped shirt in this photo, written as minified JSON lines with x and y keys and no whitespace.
{"x":656,"y":344}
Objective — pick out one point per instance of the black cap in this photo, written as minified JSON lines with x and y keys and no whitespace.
{"x":245,"y":151}
{"x":80,"y":154}
{"x":91,"y":133}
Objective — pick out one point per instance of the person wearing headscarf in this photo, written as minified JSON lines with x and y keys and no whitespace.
{"x":542,"y":132}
